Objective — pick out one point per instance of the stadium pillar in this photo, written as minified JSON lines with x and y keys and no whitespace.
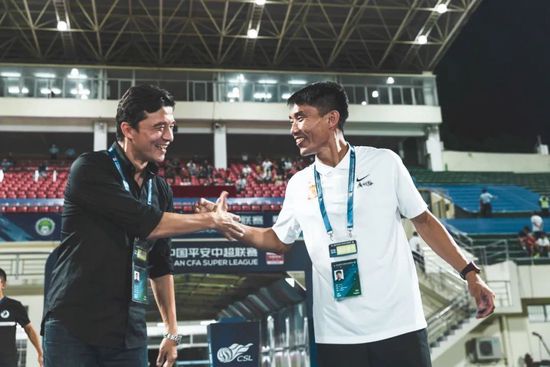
{"x":100,"y":135}
{"x":220,"y":144}
{"x":434,"y":149}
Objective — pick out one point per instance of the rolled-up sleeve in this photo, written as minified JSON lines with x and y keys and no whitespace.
{"x":160,"y":261}
{"x":93,"y":184}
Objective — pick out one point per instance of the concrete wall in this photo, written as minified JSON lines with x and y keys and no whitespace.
{"x":72,"y":115}
{"x":495,"y":162}
{"x":527,"y":285}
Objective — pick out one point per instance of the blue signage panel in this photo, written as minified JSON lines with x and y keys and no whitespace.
{"x":234,"y":344}
{"x":30,"y":227}
{"x":234,"y":257}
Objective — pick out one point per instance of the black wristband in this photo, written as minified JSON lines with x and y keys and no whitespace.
{"x":468,"y":268}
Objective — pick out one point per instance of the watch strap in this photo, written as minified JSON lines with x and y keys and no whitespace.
{"x":468,"y":268}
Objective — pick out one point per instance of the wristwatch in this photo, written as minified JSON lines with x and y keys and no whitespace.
{"x":470,"y":267}
{"x":175,"y":338}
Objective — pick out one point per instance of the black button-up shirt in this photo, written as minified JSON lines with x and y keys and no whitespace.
{"x":91,"y":281}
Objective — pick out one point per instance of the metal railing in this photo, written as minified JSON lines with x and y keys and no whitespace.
{"x":448,"y":318}
{"x":27,"y":265}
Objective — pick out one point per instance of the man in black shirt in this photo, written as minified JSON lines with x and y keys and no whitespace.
{"x":116,"y":226}
{"x":12,"y":313}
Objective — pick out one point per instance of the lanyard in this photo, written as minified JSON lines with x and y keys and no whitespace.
{"x":114,"y":157}
{"x":351,"y":186}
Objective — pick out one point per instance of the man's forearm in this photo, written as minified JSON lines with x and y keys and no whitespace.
{"x":172,"y":224}
{"x":263,"y":239}
{"x":437,"y":237}
{"x":163,"y":290}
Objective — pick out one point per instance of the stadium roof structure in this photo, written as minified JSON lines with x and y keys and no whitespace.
{"x":310,"y":35}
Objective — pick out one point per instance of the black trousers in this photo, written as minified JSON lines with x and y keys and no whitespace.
{"x":407,"y":350}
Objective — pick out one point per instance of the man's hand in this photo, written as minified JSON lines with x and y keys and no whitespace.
{"x":224,"y":222}
{"x":168,"y":353}
{"x":205,"y":206}
{"x":484,"y":296}
{"x":41,"y":360}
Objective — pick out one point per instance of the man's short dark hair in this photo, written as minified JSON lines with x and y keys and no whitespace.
{"x":326,"y":97}
{"x":137,"y":101}
{"x":3,"y":275}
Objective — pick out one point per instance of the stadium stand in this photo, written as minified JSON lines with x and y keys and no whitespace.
{"x":537,"y":182}
{"x":510,"y":198}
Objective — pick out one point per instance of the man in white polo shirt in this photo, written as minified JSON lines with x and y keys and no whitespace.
{"x":348,"y":205}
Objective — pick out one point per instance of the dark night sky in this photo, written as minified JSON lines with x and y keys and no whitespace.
{"x":494,"y":80}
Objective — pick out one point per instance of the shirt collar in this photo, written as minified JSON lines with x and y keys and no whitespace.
{"x":150,"y":170}
{"x":343,"y":165}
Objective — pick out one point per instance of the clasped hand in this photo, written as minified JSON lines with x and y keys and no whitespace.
{"x":228,"y":224}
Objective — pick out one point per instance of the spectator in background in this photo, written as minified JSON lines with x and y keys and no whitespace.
{"x":544,"y":204}
{"x":54,"y":152}
{"x":527,"y":241}
{"x":415,"y":242}
{"x":12,"y":312}
{"x":244,"y":157}
{"x":537,"y":225}
{"x":1,"y":175}
{"x":485,"y":206}
{"x":247,"y":170}
{"x":241,"y":183}
{"x":43,"y":170}
{"x":7,"y":162}
{"x":192,"y":168}
{"x":70,"y":153}
{"x":543,"y":244}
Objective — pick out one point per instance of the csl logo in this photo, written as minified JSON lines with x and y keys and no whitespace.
{"x":5,"y":314}
{"x":44,"y":226}
{"x":234,"y":352}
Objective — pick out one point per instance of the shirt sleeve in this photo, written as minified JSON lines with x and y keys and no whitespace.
{"x":21,"y":316}
{"x":409,"y":200}
{"x":94,"y":185}
{"x":160,"y":261}
{"x":287,"y":227}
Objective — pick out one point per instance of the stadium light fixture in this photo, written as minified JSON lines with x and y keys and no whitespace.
{"x":45,"y":75}
{"x":252,"y":33}
{"x":234,"y":94}
{"x":375,"y":94}
{"x":62,"y":26}
{"x":262,"y":95}
{"x":422,"y":39}
{"x":10,"y":74}
{"x":285,"y":95}
{"x":390,"y":80}
{"x":267,"y":81}
{"x":364,"y":103}
{"x":260,"y":2}
{"x":75,"y":74}
{"x":441,"y":8}
{"x":13,"y":89}
{"x":48,"y":91}
{"x":297,"y":82}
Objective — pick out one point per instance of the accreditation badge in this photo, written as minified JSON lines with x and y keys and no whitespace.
{"x":345,"y":273}
{"x":139,"y":274}
{"x":345,"y":279}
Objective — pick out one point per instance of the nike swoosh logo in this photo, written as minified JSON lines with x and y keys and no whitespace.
{"x":362,"y":178}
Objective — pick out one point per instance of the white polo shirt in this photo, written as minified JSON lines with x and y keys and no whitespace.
{"x":390,"y":302}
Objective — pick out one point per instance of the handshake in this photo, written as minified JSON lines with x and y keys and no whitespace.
{"x":228,"y":224}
